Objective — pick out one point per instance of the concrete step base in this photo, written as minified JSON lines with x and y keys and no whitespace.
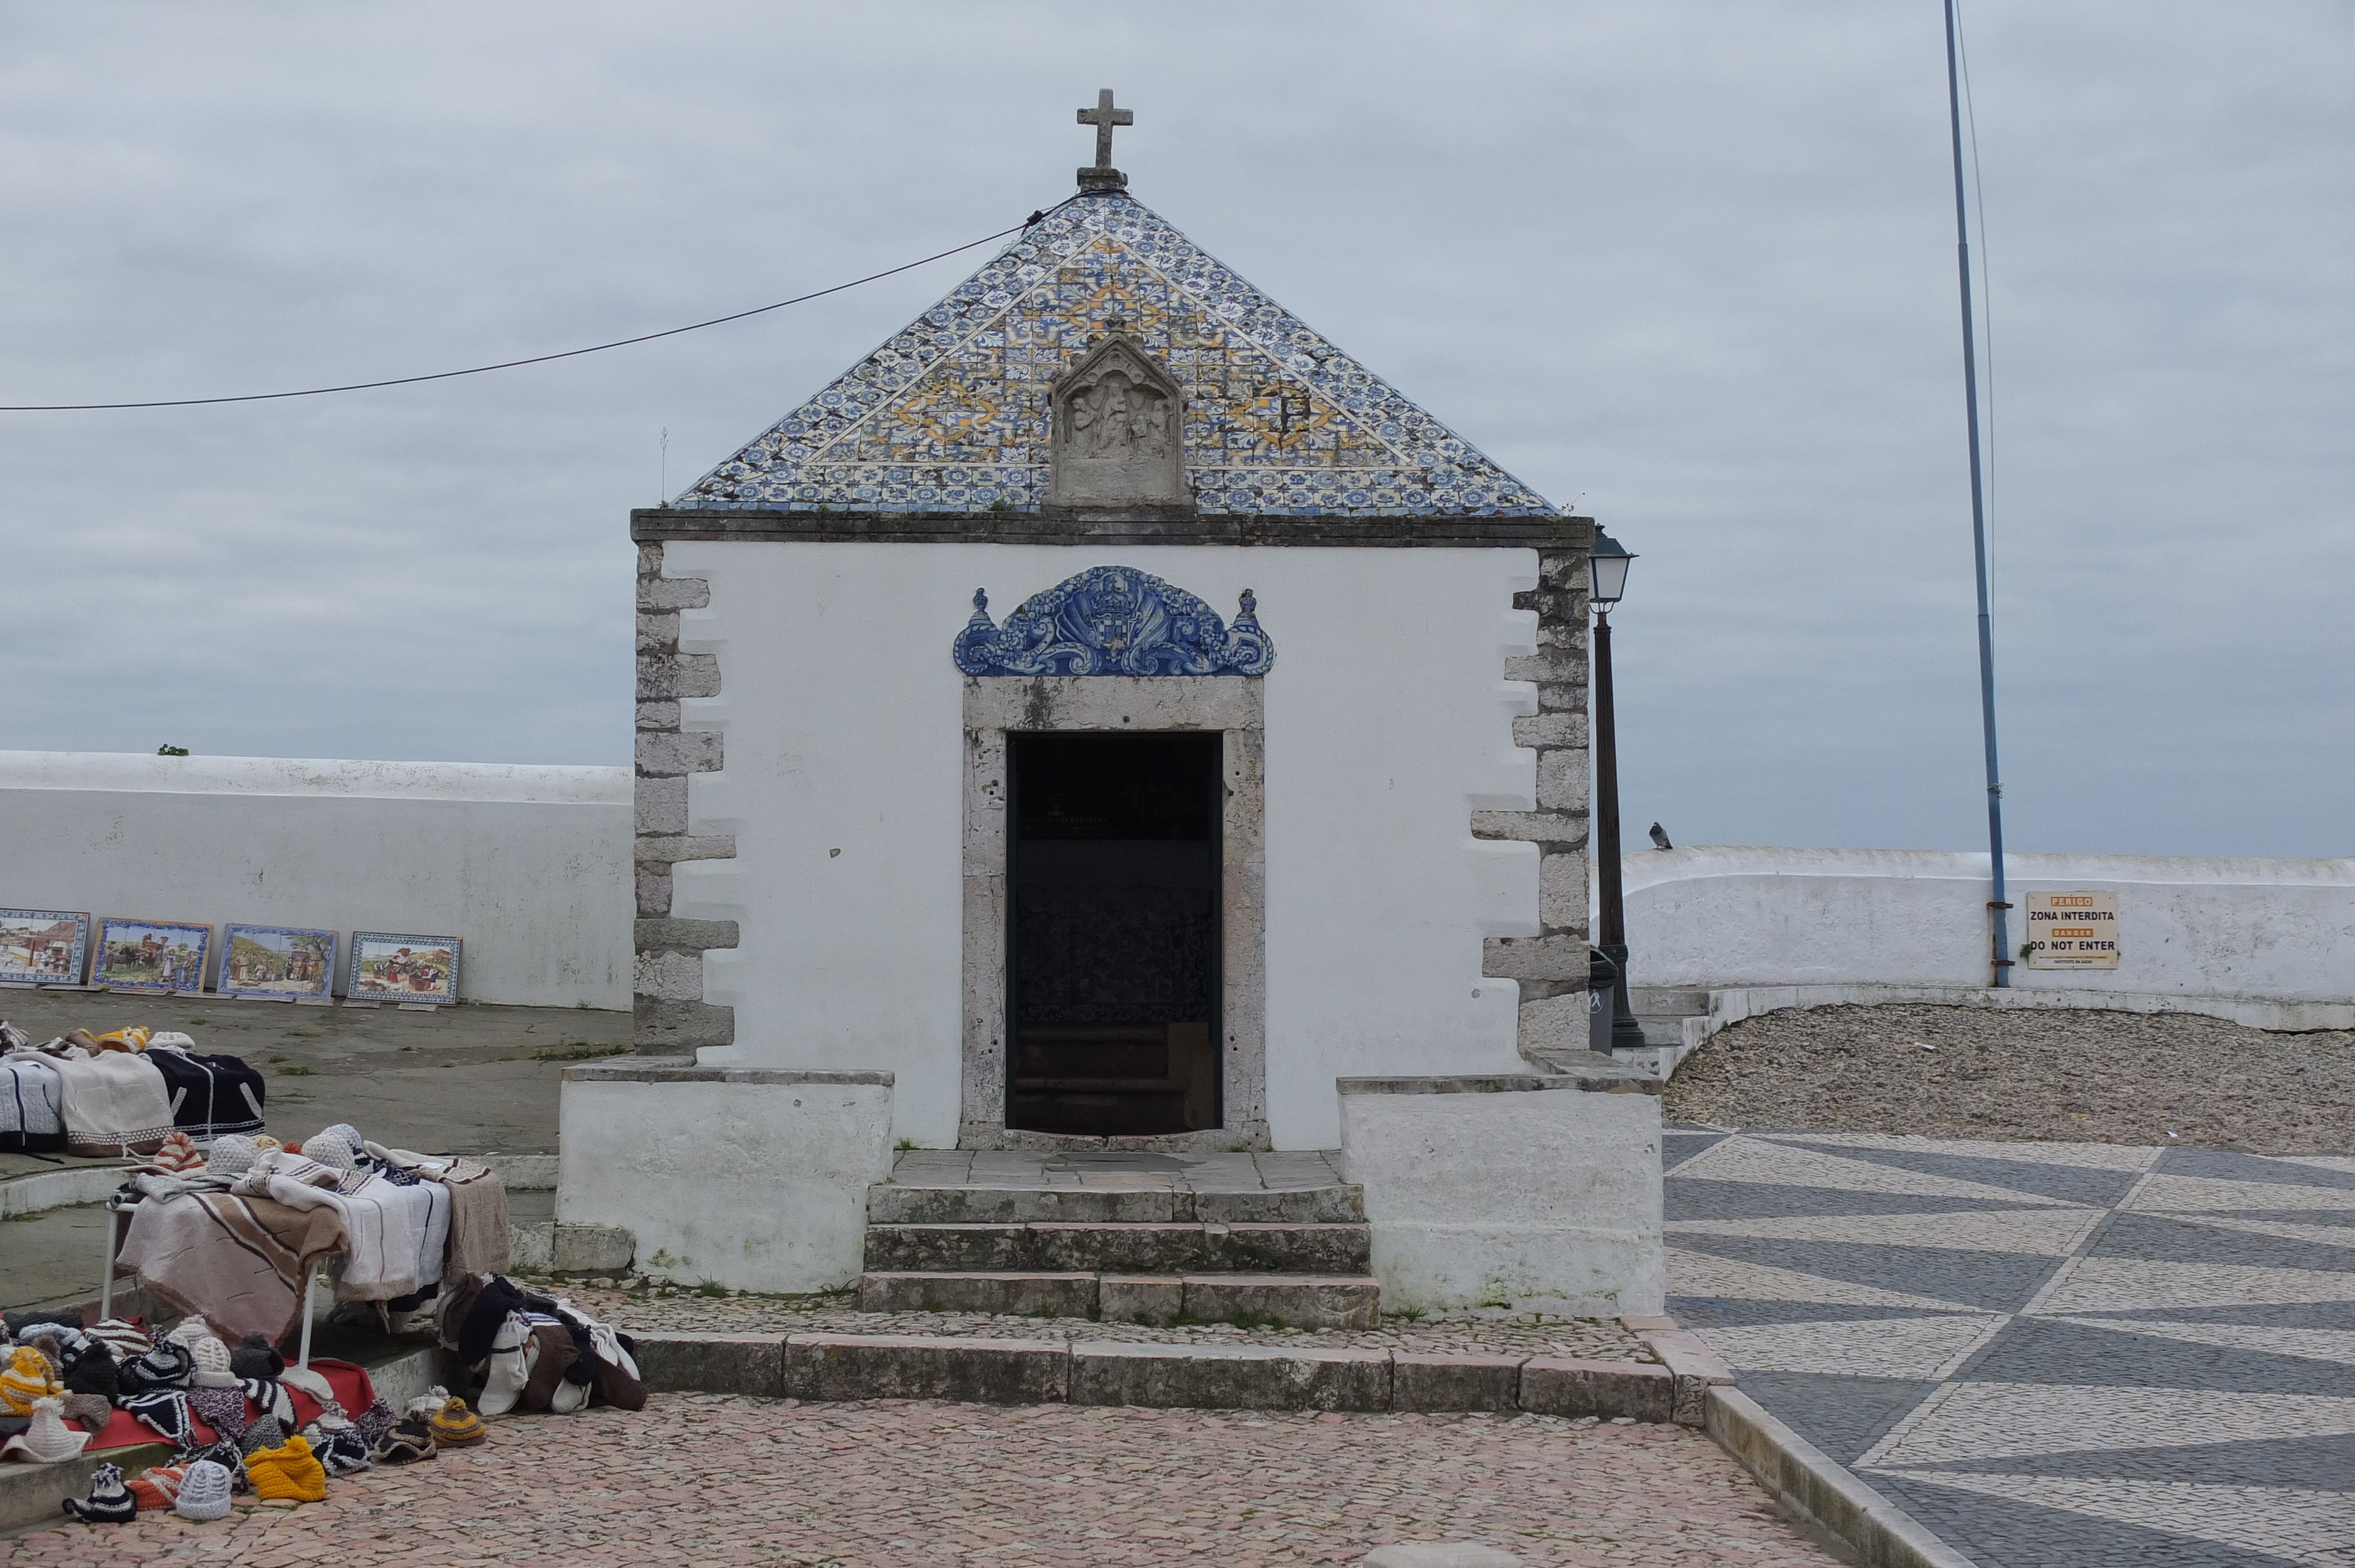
{"x":907,"y":1203}
{"x":550,"y":1246}
{"x":1667,"y":1000}
{"x":1119,"y":1248}
{"x":1203,"y":1377}
{"x":1290,"y":1300}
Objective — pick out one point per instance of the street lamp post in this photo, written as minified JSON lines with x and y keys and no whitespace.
{"x":1607,"y":569}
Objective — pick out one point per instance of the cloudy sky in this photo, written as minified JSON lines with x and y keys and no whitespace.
{"x":1687,"y":265}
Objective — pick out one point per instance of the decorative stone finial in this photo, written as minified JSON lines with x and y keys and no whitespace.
{"x":1103,"y":177}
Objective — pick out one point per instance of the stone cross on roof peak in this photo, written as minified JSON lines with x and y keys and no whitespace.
{"x":1103,"y":117}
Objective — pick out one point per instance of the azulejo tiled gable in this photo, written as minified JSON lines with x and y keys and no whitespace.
{"x":952,"y":414}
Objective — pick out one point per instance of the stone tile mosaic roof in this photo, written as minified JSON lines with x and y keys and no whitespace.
{"x":951,"y":414}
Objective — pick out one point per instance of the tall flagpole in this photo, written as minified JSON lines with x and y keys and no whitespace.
{"x":1996,"y":905}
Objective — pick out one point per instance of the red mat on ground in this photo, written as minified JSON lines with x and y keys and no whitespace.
{"x":353,"y":1389}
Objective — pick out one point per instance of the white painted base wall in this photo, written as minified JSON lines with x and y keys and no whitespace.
{"x":756,"y":1180}
{"x":1534,"y":1198}
{"x":2276,"y":930}
{"x":1389,"y":722}
{"x":529,"y":866}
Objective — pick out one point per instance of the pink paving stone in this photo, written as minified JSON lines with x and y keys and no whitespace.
{"x":701,"y":1478}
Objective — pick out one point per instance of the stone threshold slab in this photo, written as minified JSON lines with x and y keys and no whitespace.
{"x":844,"y":1367}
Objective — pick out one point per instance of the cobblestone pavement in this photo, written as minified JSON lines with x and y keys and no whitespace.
{"x":1594,"y":1338}
{"x":2055,"y":1355}
{"x":710,"y":1480}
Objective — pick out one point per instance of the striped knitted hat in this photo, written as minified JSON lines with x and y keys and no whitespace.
{"x":122,"y":1339}
{"x":26,"y":1379}
{"x":110,"y":1501}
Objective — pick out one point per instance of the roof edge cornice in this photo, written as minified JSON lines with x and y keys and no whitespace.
{"x":658,"y":525}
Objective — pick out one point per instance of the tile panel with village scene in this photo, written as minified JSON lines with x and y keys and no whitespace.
{"x":151,"y":955}
{"x":276,"y":963}
{"x":388,"y":967}
{"x":43,"y":946}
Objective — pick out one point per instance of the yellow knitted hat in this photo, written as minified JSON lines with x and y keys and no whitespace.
{"x":455,"y":1427}
{"x":26,"y":1379}
{"x":287,"y":1473}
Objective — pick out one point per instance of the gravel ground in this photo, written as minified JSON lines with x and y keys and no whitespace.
{"x":2079,"y":1077}
{"x":1591,"y":1339}
{"x":699,"y":1480}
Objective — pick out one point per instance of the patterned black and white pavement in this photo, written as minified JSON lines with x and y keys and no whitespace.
{"x":2054,"y":1355}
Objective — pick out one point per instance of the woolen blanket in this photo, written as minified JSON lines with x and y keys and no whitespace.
{"x":394,"y":1235}
{"x":113,"y":1101}
{"x":238,"y":1261}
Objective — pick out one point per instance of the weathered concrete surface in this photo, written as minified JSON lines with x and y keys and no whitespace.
{"x":713,"y":1363}
{"x":1230,"y":1376}
{"x":1301,"y":1301}
{"x":1005,"y":1294}
{"x":548,"y":1247}
{"x":881,"y":1366}
{"x":1455,"y":1381}
{"x":1140,"y":1298}
{"x":1056,"y":1246}
{"x":1561,"y":1386}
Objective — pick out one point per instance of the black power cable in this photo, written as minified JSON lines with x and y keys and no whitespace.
{"x":512,"y":363}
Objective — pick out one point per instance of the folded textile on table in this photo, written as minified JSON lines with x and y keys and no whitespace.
{"x":211,"y":1097}
{"x":240,"y":1261}
{"x":112,"y":1101}
{"x":32,"y":1105}
{"x":394,"y":1235}
{"x":479,"y":1237}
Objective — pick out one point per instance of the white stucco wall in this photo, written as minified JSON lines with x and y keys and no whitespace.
{"x":1389,"y":722}
{"x":529,"y":866}
{"x":2277,"y":929}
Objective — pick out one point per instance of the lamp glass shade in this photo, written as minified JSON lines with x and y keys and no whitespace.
{"x":1607,"y":566}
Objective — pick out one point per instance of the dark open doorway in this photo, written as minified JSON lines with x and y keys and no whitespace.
{"x":1113,"y":956}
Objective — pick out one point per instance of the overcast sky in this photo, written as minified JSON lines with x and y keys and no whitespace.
{"x":1687,"y":266}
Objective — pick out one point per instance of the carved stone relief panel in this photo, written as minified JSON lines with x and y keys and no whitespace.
{"x":1119,"y":437}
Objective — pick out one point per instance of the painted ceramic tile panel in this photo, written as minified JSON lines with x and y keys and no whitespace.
{"x":43,"y":946}
{"x":951,"y":414}
{"x":151,"y":955}
{"x":387,"y":967}
{"x":274,"y":961}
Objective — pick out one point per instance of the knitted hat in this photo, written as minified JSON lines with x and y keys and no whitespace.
{"x":350,"y":1135}
{"x":177,"y":1157}
{"x":25,"y":1381}
{"x":166,"y":1365}
{"x":204,"y":1491}
{"x":47,"y":1440}
{"x":93,"y":1373}
{"x":455,"y":1427}
{"x":287,"y":1473}
{"x":121,"y":1335}
{"x":330,"y":1149}
{"x":255,"y":1357}
{"x":311,"y":1380}
{"x":265,"y":1433}
{"x":211,"y":1362}
{"x":132,"y":1039}
{"x":90,"y":1412}
{"x":171,"y":1039}
{"x":409,"y":1439}
{"x":110,"y":1501}
{"x":19,"y":1322}
{"x":159,"y":1488}
{"x":343,"y":1452}
{"x":231,"y":1155}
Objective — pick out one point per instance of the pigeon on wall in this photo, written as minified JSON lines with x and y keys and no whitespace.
{"x":1660,"y":837}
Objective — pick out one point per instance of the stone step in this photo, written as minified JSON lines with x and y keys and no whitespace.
{"x":1667,"y":1000}
{"x":964,"y":1203}
{"x":1291,"y":1301}
{"x":1204,"y":1377}
{"x":1120,"y":1248}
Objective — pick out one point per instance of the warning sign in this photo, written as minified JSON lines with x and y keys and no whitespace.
{"x":2071,"y":930}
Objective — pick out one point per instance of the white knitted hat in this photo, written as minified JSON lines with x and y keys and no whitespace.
{"x":231,"y":1155}
{"x":48,"y":1441}
{"x":204,"y":1491}
{"x":211,"y":1358}
{"x":332,"y":1150}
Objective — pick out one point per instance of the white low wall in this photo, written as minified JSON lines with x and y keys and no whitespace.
{"x":2278,"y":930}
{"x":756,"y":1180}
{"x":1515,"y":1192}
{"x":529,"y":866}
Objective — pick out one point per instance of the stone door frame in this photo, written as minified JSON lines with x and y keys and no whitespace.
{"x":1230,"y":704}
